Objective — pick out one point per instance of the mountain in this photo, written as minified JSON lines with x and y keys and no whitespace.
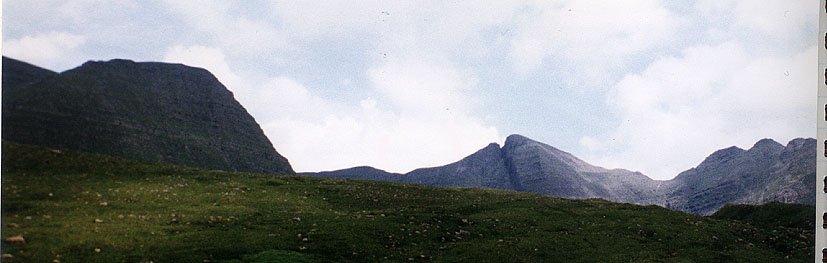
{"x":767,"y":172}
{"x":523,"y":165}
{"x":539,"y":168}
{"x":147,"y":111}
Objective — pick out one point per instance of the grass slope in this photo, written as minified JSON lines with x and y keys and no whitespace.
{"x":771,"y":214}
{"x":163,"y":213}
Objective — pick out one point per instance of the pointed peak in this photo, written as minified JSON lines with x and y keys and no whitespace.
{"x":518,"y":139}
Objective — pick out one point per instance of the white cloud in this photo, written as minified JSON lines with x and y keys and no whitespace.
{"x":209,"y":58}
{"x":438,"y":23}
{"x":778,"y":20}
{"x":422,"y":113}
{"x":420,"y":87}
{"x":52,"y":12}
{"x":427,"y":124}
{"x":371,"y":136}
{"x":309,"y":19}
{"x":237,"y":33}
{"x":589,"y":33}
{"x":284,"y":98}
{"x":681,"y":109}
{"x":44,"y":49}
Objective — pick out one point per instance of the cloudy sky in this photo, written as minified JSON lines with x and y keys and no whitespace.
{"x":652,"y":86}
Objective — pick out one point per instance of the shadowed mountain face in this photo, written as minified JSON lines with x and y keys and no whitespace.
{"x":18,"y":74}
{"x":767,"y":172}
{"x":146,"y":111}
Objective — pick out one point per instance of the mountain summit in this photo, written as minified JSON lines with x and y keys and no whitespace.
{"x":769,"y":171}
{"x":147,"y":111}
{"x":525,"y":165}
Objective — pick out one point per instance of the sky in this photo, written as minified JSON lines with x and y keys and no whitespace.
{"x":645,"y":85}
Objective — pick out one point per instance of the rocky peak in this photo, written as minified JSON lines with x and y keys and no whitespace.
{"x":517,"y":139}
{"x":720,"y":157}
{"x":525,"y":147}
{"x":800,"y":143}
{"x":766,"y":147}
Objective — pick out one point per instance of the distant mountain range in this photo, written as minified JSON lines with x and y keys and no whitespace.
{"x":183,"y":115}
{"x":767,"y":172}
{"x":147,"y":111}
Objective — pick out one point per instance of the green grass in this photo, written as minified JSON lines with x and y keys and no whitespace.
{"x":771,"y":214}
{"x":167,"y":213}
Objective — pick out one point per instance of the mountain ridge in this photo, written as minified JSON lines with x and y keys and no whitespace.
{"x":768,"y":171}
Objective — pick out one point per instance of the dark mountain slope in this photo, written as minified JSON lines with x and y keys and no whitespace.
{"x":147,"y":111}
{"x":18,"y":74}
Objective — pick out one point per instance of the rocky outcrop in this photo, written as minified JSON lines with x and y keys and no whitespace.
{"x":147,"y":111}
{"x":766,"y":172}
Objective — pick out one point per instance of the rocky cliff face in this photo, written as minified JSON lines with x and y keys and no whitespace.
{"x":767,"y":172}
{"x":540,"y":168}
{"x":146,"y":111}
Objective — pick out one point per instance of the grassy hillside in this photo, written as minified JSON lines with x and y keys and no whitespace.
{"x":771,"y":214}
{"x":77,"y":207}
